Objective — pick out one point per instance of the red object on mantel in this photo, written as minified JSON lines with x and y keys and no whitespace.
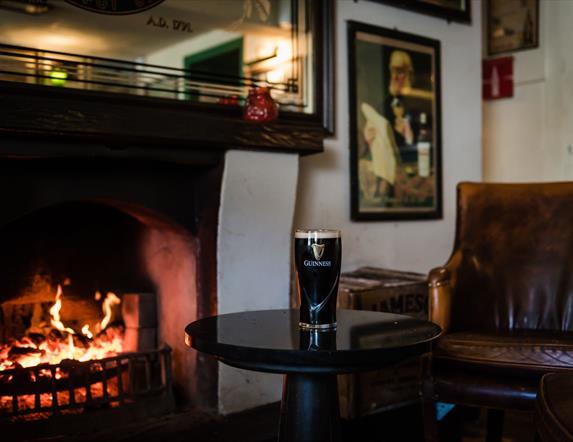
{"x":260,"y":106}
{"x":497,"y":78}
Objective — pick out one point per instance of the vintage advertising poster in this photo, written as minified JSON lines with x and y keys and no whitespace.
{"x":395,"y":125}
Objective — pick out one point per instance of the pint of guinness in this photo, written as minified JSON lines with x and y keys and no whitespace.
{"x":317,"y":261}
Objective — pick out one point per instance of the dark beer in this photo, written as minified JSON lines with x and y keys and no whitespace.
{"x":317,"y":260}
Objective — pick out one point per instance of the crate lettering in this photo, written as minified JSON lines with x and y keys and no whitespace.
{"x":407,"y":303}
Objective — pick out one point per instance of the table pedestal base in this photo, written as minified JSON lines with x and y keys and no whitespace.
{"x":309,"y":408}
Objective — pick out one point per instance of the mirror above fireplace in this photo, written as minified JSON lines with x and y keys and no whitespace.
{"x":199,"y":56}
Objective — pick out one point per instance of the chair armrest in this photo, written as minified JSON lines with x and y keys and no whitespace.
{"x":440,"y":297}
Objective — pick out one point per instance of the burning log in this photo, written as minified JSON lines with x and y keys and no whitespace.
{"x":17,"y":352}
{"x":36,"y":338}
{"x":82,"y":341}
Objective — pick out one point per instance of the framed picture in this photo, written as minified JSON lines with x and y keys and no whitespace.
{"x":395,"y":125}
{"x":451,"y":10}
{"x":512,"y":25}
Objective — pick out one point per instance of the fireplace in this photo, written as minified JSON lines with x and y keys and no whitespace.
{"x":106,"y":259}
{"x":174,"y":204}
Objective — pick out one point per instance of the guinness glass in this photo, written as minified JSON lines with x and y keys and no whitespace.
{"x":317,"y":260}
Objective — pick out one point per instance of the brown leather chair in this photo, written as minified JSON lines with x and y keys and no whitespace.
{"x":504,"y":300}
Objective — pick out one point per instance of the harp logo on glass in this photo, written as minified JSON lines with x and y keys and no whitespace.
{"x":317,"y":251}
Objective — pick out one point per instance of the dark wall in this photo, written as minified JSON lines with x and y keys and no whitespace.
{"x":96,"y":247}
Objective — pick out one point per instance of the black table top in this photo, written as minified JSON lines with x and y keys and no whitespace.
{"x":271,"y":341}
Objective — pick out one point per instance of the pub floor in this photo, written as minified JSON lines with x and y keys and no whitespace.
{"x":260,"y":425}
{"x":460,"y":425}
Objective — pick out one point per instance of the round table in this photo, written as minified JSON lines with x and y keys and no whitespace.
{"x":271,"y":341}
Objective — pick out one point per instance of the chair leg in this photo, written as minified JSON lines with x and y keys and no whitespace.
{"x":430,"y":420}
{"x":494,"y":425}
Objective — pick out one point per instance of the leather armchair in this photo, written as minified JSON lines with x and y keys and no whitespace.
{"x":504,"y":300}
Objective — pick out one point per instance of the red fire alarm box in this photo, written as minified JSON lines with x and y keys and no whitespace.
{"x":497,"y":78}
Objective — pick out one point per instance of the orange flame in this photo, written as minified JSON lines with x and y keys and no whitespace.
{"x":55,"y":313}
{"x":110,"y":300}
{"x":86,"y":331}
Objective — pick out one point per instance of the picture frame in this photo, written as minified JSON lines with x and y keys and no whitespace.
{"x":450,"y":10}
{"x":512,"y":25}
{"x":395,"y":125}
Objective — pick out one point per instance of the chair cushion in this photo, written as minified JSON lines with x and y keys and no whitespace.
{"x":478,"y":387}
{"x":535,"y":351}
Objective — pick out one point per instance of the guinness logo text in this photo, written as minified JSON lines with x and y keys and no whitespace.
{"x":308,"y":263}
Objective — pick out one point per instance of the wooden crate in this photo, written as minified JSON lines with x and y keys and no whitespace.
{"x":371,"y":288}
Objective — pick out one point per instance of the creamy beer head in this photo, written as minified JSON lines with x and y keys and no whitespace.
{"x":317,"y":260}
{"x":316,"y":233}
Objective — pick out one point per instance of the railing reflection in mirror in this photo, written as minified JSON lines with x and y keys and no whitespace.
{"x":62,"y":69}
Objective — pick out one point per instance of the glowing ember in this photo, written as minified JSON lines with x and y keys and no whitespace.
{"x":86,"y":331}
{"x":56,"y":342}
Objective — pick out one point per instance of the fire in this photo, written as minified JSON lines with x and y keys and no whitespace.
{"x":55,"y":313}
{"x":60,"y":342}
{"x":110,"y":300}
{"x":86,"y":331}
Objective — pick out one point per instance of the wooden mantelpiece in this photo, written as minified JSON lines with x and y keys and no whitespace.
{"x":120,"y":121}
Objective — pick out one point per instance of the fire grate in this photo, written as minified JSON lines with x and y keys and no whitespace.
{"x":73,"y":387}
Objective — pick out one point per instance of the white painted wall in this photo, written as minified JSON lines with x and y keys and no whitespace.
{"x":558,"y":134}
{"x":527,"y":137}
{"x":254,"y":248}
{"x":323,"y":198}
